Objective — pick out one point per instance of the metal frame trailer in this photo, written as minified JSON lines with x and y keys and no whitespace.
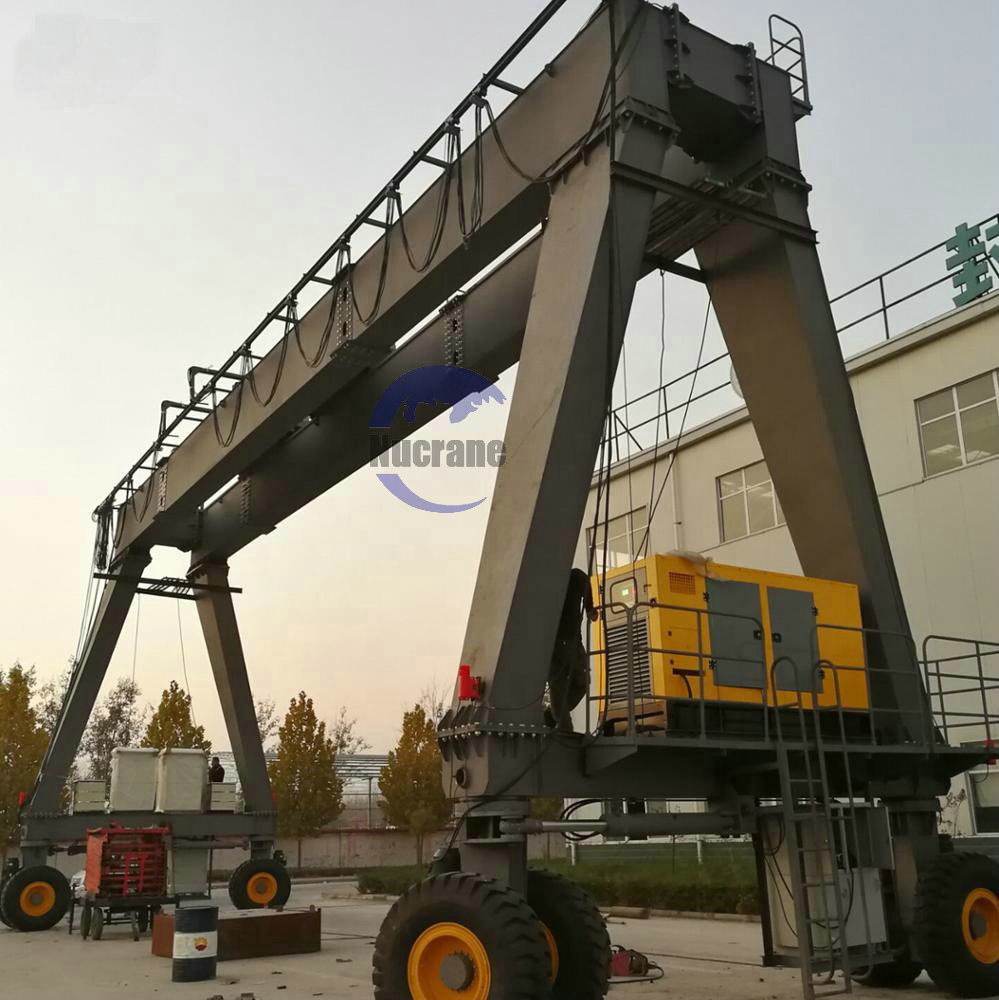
{"x":645,"y":138}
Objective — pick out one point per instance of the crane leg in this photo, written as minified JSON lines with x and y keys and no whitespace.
{"x":591,"y":258}
{"x":225,"y":652}
{"x":85,"y":685}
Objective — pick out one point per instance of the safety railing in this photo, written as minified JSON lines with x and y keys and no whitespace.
{"x":787,"y":52}
{"x":898,"y":699}
{"x":961,"y":688}
{"x":699,"y":655}
{"x":869,"y":313}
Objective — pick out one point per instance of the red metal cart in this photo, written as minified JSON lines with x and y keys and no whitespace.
{"x":126,"y":874}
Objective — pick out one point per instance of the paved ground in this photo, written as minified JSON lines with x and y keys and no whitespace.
{"x":703,"y":959}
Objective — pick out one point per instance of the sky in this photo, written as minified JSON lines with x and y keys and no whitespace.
{"x":170,"y":169}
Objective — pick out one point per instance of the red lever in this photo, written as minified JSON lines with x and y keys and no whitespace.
{"x":469,"y":687}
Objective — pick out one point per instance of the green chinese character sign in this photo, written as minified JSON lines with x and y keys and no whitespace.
{"x":971,"y":260}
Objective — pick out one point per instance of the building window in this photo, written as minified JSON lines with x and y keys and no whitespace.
{"x":959,"y":425}
{"x":747,"y":502}
{"x":624,"y":535}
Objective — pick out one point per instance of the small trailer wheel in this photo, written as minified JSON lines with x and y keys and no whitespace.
{"x":35,"y":898}
{"x":259,"y":883}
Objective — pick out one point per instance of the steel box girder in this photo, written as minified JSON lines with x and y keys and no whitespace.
{"x":565,"y":101}
{"x":68,"y":829}
{"x":564,"y":98}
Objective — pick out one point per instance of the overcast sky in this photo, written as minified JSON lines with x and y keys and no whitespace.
{"x":170,"y":169}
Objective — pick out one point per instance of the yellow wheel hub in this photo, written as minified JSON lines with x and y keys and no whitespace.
{"x":552,"y":953}
{"x":37,"y":899}
{"x":980,"y":925}
{"x":447,"y":961}
{"x":262,"y":888}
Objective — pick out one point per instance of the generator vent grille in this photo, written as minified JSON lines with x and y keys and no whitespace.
{"x":682,"y":583}
{"x":618,"y":637}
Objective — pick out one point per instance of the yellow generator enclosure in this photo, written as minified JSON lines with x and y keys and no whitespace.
{"x":698,"y":631}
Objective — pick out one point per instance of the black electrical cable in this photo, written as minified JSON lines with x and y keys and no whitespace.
{"x":683,"y":424}
{"x":643,"y":549}
{"x":440,"y":214}
{"x":617,"y":67}
{"x":383,"y":269}
{"x":223,"y":439}
{"x":249,"y":369}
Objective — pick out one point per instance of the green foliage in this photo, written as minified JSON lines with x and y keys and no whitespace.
{"x":267,"y":721}
{"x":411,"y":781}
{"x":389,"y":881}
{"x":172,"y":725}
{"x":712,"y":887}
{"x":23,"y":739}
{"x":546,"y":808}
{"x":116,"y":722}
{"x":707,"y":888}
{"x":308,"y":793}
{"x":49,"y":698}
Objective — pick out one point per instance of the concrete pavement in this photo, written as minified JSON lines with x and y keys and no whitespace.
{"x":703,"y":959}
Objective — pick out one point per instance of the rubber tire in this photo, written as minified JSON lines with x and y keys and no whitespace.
{"x":508,"y":928}
{"x":894,"y":975}
{"x":584,"y":947}
{"x":240,"y":880}
{"x":142,"y":920}
{"x":3,"y":919}
{"x":98,"y":924}
{"x":16,"y":884}
{"x":86,"y":921}
{"x":943,"y":887}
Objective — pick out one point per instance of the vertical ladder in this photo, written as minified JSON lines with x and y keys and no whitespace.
{"x":809,"y":837}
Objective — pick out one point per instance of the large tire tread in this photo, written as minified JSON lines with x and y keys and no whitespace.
{"x":508,"y":927}
{"x":894,"y":975}
{"x":580,"y":935}
{"x":943,"y":888}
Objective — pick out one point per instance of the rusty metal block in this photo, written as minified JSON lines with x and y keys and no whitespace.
{"x":259,"y":934}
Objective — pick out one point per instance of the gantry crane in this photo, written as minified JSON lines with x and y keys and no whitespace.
{"x":646,"y":137}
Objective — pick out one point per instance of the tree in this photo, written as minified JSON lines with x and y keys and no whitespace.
{"x":23,"y":739}
{"x":435,"y":700}
{"x":172,"y":725}
{"x":116,"y":722}
{"x":411,"y":780}
{"x":49,"y":698}
{"x":344,"y":736}
{"x":308,"y":792}
{"x":267,"y":720}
